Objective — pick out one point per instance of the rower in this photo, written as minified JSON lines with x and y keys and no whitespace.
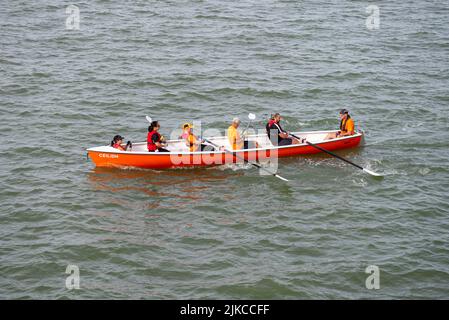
{"x":191,"y":139}
{"x":117,"y":143}
{"x":234,"y":138}
{"x":193,"y":143}
{"x":154,"y":139}
{"x":185,"y":131}
{"x":346,"y":126}
{"x":283,"y":137}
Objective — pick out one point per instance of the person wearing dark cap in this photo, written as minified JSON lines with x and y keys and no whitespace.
{"x":117,"y":143}
{"x":346,"y":126}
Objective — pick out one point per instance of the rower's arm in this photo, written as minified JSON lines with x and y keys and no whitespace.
{"x":347,"y":133}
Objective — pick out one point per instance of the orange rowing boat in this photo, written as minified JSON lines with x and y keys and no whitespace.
{"x":179,"y":155}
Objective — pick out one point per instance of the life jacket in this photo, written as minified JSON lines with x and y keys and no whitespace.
{"x":343,"y":124}
{"x":190,"y":141}
{"x":150,"y":144}
{"x":268,"y":126}
{"x":277,"y":127}
{"x":117,"y":146}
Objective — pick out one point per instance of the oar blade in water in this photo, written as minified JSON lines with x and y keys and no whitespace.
{"x":282,"y":178}
{"x":372,"y":173}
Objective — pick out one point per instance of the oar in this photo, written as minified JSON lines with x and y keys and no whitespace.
{"x":252,"y":163}
{"x":251,"y":117}
{"x":338,"y":157}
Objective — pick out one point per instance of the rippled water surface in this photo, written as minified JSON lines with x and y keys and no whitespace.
{"x":223,"y":232}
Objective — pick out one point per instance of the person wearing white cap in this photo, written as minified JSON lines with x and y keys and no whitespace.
{"x":234,"y":138}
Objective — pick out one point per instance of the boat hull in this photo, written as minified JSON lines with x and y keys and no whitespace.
{"x":160,"y":160}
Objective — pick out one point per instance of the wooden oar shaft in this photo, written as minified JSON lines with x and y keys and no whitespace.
{"x":247,"y":161}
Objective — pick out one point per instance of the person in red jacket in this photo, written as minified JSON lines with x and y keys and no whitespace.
{"x":117,"y":142}
{"x":283,"y":137}
{"x":154,"y":138}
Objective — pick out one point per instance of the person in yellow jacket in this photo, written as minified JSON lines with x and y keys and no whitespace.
{"x":234,"y":138}
{"x":346,"y":126}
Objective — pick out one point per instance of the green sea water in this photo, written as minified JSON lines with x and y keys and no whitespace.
{"x":223,"y":232}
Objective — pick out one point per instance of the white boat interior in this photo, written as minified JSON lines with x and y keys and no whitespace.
{"x":262,"y":140}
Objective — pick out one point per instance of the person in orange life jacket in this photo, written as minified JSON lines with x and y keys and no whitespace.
{"x":283,"y":137}
{"x":117,"y":143}
{"x":193,"y":143}
{"x":154,"y":139}
{"x":346,"y":126}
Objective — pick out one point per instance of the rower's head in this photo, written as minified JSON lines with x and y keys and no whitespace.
{"x":154,"y":126}
{"x":277,"y":117}
{"x":188,"y":127}
{"x":118,"y":139}
{"x":235,"y":122}
{"x":344,"y":113}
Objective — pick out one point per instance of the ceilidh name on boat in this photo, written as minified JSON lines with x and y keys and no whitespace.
{"x":108,"y":155}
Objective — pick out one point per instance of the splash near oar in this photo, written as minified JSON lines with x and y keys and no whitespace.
{"x":339,"y":157}
{"x":247,"y":161}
